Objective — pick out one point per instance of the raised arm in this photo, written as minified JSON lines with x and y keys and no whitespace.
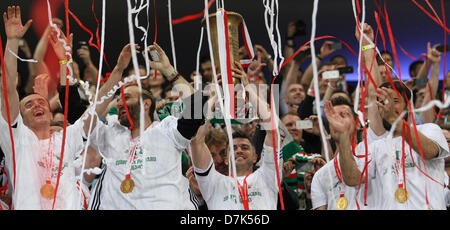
{"x":201,"y":156}
{"x":370,"y":64}
{"x":41,"y":47}
{"x":32,"y":67}
{"x":164,"y":66}
{"x":341,"y":134}
{"x":14,"y":32}
{"x":434,"y":58}
{"x":293,"y":73}
{"x":90,"y":71}
{"x":325,"y":51}
{"x":261,"y":105}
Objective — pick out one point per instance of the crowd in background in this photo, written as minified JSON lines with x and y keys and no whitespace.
{"x":203,"y":153}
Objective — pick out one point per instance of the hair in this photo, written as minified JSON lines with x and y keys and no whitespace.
{"x":339,"y":91}
{"x":325,"y":64}
{"x":292,"y":113}
{"x":29,"y":94}
{"x":146,"y":94}
{"x":386,"y":52}
{"x":215,"y":136}
{"x":131,"y":68}
{"x":204,"y":59}
{"x":239,"y":134}
{"x":343,"y":101}
{"x":333,"y":59}
{"x":380,"y":61}
{"x":414,"y":64}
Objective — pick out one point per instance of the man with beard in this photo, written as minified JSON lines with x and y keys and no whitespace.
{"x":406,"y":168}
{"x":144,"y":172}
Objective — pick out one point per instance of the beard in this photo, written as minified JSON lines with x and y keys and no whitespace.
{"x":133,"y":110}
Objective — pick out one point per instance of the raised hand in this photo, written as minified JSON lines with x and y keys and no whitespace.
{"x":255,"y":67}
{"x":338,"y":123}
{"x":13,"y":23}
{"x":58,"y":46}
{"x":386,"y":104}
{"x":84,"y":54}
{"x":125,"y":57}
{"x":433,"y":55}
{"x":163,"y":65}
{"x":326,"y":50}
{"x":240,"y":73}
{"x":263,"y":52}
{"x":368,"y":31}
{"x":315,"y":129}
{"x":41,"y":85}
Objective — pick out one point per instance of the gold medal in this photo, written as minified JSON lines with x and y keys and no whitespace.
{"x":341,"y":203}
{"x":48,"y":191}
{"x":127,"y":185}
{"x":401,"y":195}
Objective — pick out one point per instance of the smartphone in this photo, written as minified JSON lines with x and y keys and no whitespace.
{"x":421,"y":81}
{"x":154,"y":55}
{"x":304,"y":166}
{"x":347,"y":69}
{"x":305,"y":124}
{"x":336,"y":46}
{"x":332,"y":74}
{"x":442,"y":48}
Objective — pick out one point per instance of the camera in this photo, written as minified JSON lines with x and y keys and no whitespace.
{"x":305,"y":124}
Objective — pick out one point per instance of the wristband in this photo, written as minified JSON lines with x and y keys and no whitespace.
{"x":366,"y":47}
{"x":173,"y":77}
{"x":63,"y":62}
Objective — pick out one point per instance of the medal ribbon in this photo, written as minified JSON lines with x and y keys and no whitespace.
{"x":130,"y":160}
{"x":400,"y":163}
{"x":243,"y":192}
{"x":49,"y":162}
{"x":339,"y":175}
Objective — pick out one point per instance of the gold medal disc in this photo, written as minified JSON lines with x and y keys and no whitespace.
{"x":341,"y":203}
{"x":48,"y":191}
{"x":127,"y":185}
{"x":401,"y":195}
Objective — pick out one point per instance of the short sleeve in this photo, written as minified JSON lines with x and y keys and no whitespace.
{"x":435,"y":134}
{"x":318,"y":195}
